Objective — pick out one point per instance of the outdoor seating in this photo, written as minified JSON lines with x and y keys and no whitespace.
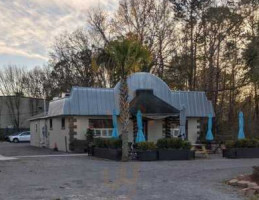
{"x":200,"y":149}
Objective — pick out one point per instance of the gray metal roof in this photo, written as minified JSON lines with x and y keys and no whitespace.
{"x":38,"y":116}
{"x":102,"y":101}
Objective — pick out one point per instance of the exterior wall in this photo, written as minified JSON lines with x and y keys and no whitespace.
{"x":82,"y":124}
{"x":37,"y":137}
{"x":155,"y":130}
{"x":61,"y":137}
{"x":57,"y":135}
{"x":193,"y":129}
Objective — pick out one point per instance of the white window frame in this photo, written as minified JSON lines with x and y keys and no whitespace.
{"x":102,"y":130}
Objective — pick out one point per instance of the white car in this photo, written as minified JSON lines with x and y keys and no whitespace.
{"x":20,"y":137}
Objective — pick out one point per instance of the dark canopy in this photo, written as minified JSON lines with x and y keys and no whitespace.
{"x":148,"y":103}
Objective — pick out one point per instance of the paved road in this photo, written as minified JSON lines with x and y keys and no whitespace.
{"x":81,"y":177}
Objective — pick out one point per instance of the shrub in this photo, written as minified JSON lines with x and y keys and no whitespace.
{"x":115,"y":143}
{"x":2,"y":137}
{"x":162,"y":143}
{"x":108,"y":143}
{"x":89,"y":135}
{"x":244,"y":143}
{"x":146,"y":146}
{"x":252,"y":143}
{"x":173,"y":143}
{"x":230,"y":144}
{"x":186,"y":145}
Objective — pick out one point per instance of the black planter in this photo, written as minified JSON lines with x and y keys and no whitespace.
{"x":90,"y":150}
{"x":112,"y":154}
{"x":241,"y":153}
{"x":175,"y":154}
{"x":78,"y":146}
{"x":147,"y":155}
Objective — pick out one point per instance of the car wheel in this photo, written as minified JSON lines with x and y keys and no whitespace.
{"x":15,"y":140}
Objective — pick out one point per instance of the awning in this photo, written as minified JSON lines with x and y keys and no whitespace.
{"x":151,"y":106}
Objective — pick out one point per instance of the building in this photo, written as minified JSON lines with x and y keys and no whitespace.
{"x":69,"y":118}
{"x":15,"y":112}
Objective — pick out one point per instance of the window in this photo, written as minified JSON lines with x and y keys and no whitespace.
{"x":175,"y":132}
{"x":101,"y":127}
{"x":50,"y":124}
{"x":174,"y":129}
{"x":36,"y":127}
{"x":63,"y":123}
{"x":100,"y":123}
{"x":25,"y":133}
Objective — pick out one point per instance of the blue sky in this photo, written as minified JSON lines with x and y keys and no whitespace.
{"x":29,"y":27}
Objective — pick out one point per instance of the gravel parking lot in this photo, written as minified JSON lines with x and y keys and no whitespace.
{"x":68,"y":176}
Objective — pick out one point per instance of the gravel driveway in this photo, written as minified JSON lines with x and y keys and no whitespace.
{"x":82,"y":177}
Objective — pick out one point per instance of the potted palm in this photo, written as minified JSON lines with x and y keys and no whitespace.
{"x":174,"y":149}
{"x":146,"y":151}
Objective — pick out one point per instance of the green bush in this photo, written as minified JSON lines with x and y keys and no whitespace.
{"x":230,"y":144}
{"x":2,"y":137}
{"x":146,"y":146}
{"x":90,"y":135}
{"x":244,"y":143}
{"x":186,"y":145}
{"x":115,"y":143}
{"x":108,"y":143}
{"x":173,"y":143}
{"x":162,"y":143}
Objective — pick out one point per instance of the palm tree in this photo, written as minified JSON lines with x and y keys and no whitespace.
{"x":128,"y":56}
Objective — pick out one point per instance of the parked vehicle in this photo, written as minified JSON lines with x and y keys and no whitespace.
{"x":20,"y":137}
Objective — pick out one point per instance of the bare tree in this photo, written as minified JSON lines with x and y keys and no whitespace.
{"x":71,"y":62}
{"x":150,"y":21}
{"x":38,"y":83}
{"x":12,"y":84}
{"x":99,"y":26}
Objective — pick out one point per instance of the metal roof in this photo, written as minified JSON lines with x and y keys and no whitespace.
{"x":102,"y":101}
{"x":38,"y":116}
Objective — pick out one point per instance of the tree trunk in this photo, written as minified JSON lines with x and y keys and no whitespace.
{"x":256,"y":101}
{"x":210,"y":78}
{"x":192,"y":53}
{"x":124,"y":117}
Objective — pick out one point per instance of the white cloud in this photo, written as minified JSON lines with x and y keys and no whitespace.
{"x":19,"y":52}
{"x":28,"y":27}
